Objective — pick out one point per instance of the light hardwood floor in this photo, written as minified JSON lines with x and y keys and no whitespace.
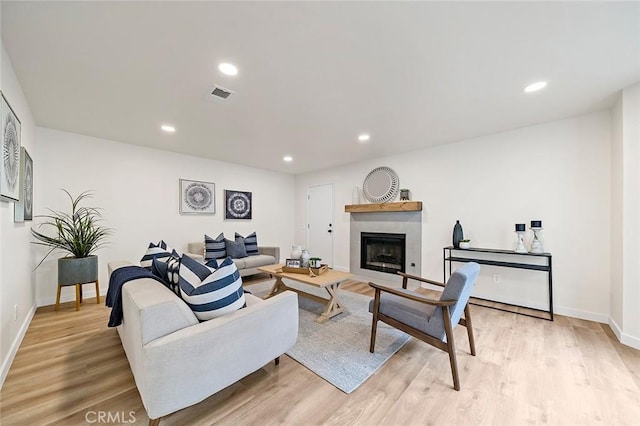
{"x":71,"y":367}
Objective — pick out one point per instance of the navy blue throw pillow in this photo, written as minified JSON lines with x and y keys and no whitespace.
{"x":235,"y":249}
{"x":250,"y":243}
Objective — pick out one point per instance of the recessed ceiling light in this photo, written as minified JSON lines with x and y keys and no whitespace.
{"x":535,"y":86}
{"x":228,"y":69}
{"x":364,"y":137}
{"x":167,"y":128}
{"x":287,"y":158}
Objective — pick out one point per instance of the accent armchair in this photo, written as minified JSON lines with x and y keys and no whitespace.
{"x":429,"y":320}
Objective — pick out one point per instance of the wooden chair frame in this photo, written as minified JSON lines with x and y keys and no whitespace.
{"x":449,"y":346}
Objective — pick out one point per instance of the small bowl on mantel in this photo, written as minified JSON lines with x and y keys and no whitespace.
{"x":465,"y":244}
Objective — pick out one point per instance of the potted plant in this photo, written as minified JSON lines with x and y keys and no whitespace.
{"x":404,"y":194}
{"x":77,"y":233}
{"x":465,"y":244}
{"x":314,"y":262}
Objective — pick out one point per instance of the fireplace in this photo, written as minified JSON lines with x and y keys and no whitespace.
{"x":382,"y":252}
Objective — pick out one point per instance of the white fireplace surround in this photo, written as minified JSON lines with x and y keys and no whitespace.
{"x":408,"y":223}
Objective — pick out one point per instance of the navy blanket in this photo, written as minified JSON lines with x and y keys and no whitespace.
{"x":114,"y":295}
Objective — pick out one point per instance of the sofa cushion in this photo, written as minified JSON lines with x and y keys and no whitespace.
{"x":209,"y":292}
{"x":250,"y":243}
{"x":240,"y":263}
{"x":159,"y":251}
{"x":214,"y":248}
{"x":235,"y":249}
{"x":259,"y":260}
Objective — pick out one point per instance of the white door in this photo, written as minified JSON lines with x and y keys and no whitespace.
{"x":320,"y":222}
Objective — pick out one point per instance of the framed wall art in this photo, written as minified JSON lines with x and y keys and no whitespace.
{"x":10,"y":164}
{"x":197,"y":197}
{"x":292,"y":263}
{"x":237,"y":204}
{"x":23,"y":208}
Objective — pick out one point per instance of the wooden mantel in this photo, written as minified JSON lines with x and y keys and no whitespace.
{"x":402,"y":206}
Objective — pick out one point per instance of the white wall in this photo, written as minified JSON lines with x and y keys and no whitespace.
{"x":631,"y":184}
{"x":616,"y":312}
{"x":137,"y":188}
{"x":557,"y":172}
{"x":631,"y":214}
{"x":16,"y":257}
{"x":625,"y":214}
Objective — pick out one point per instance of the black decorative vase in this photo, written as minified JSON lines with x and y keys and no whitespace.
{"x":457,"y":234}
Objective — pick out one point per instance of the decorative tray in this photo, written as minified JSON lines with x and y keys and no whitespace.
{"x":316,"y":271}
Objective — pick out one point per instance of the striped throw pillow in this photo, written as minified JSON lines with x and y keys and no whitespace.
{"x":209,"y":292}
{"x":214,"y":248}
{"x":173,"y":268}
{"x":250,"y":243}
{"x":155,"y":251}
{"x":168,"y":271}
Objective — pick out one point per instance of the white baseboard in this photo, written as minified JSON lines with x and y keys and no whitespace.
{"x":585,"y":315}
{"x":6,"y":363}
{"x":623,"y":338}
{"x":615,"y":328}
{"x":70,"y":296}
{"x":634,"y":342}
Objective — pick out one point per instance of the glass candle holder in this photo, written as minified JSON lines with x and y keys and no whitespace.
{"x":520,"y":247}
{"x":536,"y":243}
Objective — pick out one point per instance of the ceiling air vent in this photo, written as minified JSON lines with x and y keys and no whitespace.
{"x":221,"y":92}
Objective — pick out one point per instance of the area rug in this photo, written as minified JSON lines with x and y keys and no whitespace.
{"x":338,"y":350}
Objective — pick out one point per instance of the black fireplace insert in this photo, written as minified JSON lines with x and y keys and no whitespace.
{"x":382,"y":252}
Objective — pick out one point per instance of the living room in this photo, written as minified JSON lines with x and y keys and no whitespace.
{"x":576,"y":170}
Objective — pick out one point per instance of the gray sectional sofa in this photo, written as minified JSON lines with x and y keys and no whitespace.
{"x":247,"y":265}
{"x":178,"y":361}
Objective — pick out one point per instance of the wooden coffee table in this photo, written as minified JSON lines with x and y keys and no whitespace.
{"x":330,"y":281}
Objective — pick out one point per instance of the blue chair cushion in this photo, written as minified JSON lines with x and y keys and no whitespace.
{"x":409,"y":312}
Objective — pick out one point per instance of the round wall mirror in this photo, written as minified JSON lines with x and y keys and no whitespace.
{"x":381,"y":185}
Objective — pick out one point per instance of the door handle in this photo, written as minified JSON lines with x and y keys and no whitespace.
{"x":329,"y":230}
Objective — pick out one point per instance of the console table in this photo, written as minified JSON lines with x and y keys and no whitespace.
{"x":451,"y":254}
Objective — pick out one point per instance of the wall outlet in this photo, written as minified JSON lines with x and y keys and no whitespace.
{"x":497,"y":278}
{"x":15,"y":312}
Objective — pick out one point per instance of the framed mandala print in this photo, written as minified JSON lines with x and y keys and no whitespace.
{"x":23,"y":208}
{"x":237,"y":204}
{"x":10,"y":164}
{"x":197,"y":197}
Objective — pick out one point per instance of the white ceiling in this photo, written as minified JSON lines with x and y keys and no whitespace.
{"x":313,"y":75}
